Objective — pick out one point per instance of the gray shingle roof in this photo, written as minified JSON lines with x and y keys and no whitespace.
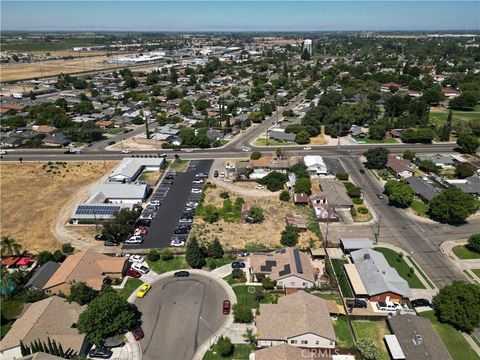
{"x":377,"y":275}
{"x":422,"y":188}
{"x":42,"y":274}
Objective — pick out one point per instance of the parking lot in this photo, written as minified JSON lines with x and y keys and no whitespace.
{"x":168,"y":204}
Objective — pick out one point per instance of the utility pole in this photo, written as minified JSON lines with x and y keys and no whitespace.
{"x":377,"y":233}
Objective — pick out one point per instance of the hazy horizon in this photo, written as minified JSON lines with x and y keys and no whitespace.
{"x":240,"y":16}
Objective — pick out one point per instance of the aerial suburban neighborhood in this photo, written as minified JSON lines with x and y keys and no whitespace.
{"x":208,"y":192}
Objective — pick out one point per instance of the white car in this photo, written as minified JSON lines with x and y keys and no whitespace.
{"x":3,"y":152}
{"x":192,"y":204}
{"x":135,"y":239}
{"x":140,"y":267}
{"x":307,"y":148}
{"x":222,"y":174}
{"x":198,"y":181}
{"x":177,"y":243}
{"x":186,"y":221}
{"x":126,"y":152}
{"x":246,"y":149}
{"x":259,"y":187}
{"x":387,"y":306}
{"x":196,"y":191}
{"x":137,"y":259}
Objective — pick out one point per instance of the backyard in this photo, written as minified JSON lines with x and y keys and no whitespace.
{"x":342,"y":277}
{"x":375,"y":331}
{"x":241,"y":352}
{"x":398,"y":262}
{"x":455,"y":343}
{"x":464,"y":253}
{"x":343,"y":333}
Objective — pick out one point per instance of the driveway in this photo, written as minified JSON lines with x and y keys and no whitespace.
{"x":179,"y":315}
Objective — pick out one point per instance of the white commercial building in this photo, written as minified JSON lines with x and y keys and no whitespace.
{"x":308,"y":44}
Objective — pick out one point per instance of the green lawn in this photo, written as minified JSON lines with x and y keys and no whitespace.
{"x":242,"y":351}
{"x":115,"y":131}
{"x":247,"y":298}
{"x":384,"y":141}
{"x":402,"y":268}
{"x":130,"y":286}
{"x":179,"y":165}
{"x":342,"y":277}
{"x":374,"y":330}
{"x":440,"y":118}
{"x":328,"y":296}
{"x":419,"y":207}
{"x":215,"y":263}
{"x":464,"y":253}
{"x":453,"y":340}
{"x":263,"y":142}
{"x":161,"y":266}
{"x":343,"y":333}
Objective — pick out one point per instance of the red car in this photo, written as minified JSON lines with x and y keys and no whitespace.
{"x":226,"y":307}
{"x":133,"y":273}
{"x":138,"y":333}
{"x":142,"y":230}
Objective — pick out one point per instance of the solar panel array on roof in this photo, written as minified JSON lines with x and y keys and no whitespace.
{"x":96,"y":209}
{"x":268,"y":265}
{"x":298,"y":261}
{"x":286,"y":270}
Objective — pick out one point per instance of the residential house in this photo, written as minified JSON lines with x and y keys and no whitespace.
{"x":416,"y":338}
{"x":336,"y":195}
{"x":55,"y":140}
{"x":352,"y":244}
{"x":315,"y":165}
{"x":402,"y":168}
{"x":289,"y":267}
{"x":283,"y":351}
{"x":281,"y":136}
{"x":423,"y":189}
{"x":470,"y":185}
{"x":450,"y":93}
{"x":301,"y":198}
{"x":299,"y":319}
{"x":442,"y":161}
{"x":372,"y":277}
{"x":42,"y":275}
{"x":467,"y":159}
{"x":357,"y":132}
{"x":105,"y":124}
{"x":52,"y":318}
{"x":85,"y":266}
{"x":297,"y":221}
{"x":40,"y":356}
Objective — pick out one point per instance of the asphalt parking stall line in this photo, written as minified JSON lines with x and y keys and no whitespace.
{"x":175,"y":197}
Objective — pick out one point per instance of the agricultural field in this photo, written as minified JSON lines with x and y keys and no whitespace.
{"x":235,"y":234}
{"x":37,"y":199}
{"x":439,"y":115}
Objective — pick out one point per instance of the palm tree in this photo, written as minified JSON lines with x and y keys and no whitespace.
{"x":9,"y":246}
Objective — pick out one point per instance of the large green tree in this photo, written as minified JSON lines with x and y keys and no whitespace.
{"x":459,"y":305}
{"x":274,"y":181}
{"x":194,"y":254}
{"x":452,"y":206}
{"x":468,"y":143}
{"x":399,"y":193}
{"x":377,"y":158}
{"x":81,"y":293}
{"x":474,"y":243}
{"x":303,"y":185}
{"x":289,"y":236}
{"x":107,"y":315}
{"x":215,"y":249}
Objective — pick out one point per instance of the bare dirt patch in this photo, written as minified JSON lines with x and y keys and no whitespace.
{"x":34,"y":196}
{"x":236,"y":235}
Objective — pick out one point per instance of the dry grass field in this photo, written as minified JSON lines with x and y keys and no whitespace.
{"x":52,"y":68}
{"x":37,"y":199}
{"x":235,"y":235}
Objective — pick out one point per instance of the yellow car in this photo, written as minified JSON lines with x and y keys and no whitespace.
{"x":143,"y":290}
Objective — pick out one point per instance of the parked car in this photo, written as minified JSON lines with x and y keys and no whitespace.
{"x":186,"y":220}
{"x":143,"y":222}
{"x":420,"y":302}
{"x":140,"y":267}
{"x":226,"y":307}
{"x":387,"y":306}
{"x":196,"y":191}
{"x":380,"y":196}
{"x":111,"y":142}
{"x":177,"y":243}
{"x":307,"y":148}
{"x":356,"y":303}
{"x":133,"y":273}
{"x":110,"y":243}
{"x":3,"y":152}
{"x":201,"y":175}
{"x":215,"y":173}
{"x":135,"y":239}
{"x":137,"y":259}
{"x":102,"y":237}
{"x":259,"y":187}
{"x":126,"y":151}
{"x":238,"y":265}
{"x":362,"y":171}
{"x":143,"y":290}
{"x":113,"y":342}
{"x":222,"y":174}
{"x":137,"y":333}
{"x":100,"y":353}
{"x":246,"y":149}
{"x":181,"y":273}
{"x":198,"y":181}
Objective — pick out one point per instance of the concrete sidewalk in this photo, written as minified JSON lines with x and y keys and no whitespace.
{"x":463,"y":265}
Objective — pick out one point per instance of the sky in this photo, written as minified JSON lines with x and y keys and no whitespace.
{"x":238,"y":15}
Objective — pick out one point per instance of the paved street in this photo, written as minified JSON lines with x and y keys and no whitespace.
{"x":397,"y":228}
{"x":191,"y":310}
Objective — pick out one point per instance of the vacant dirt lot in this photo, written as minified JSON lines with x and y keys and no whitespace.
{"x":236,"y":235}
{"x":34,"y":196}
